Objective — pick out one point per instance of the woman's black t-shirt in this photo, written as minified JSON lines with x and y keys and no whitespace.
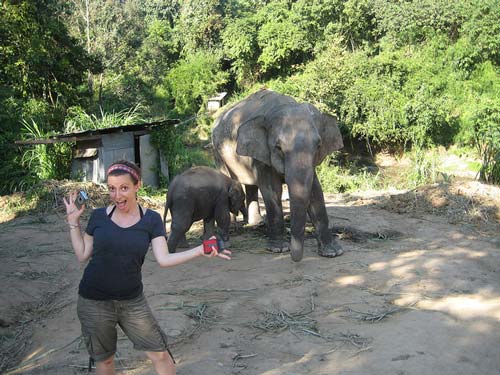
{"x":114,"y":270}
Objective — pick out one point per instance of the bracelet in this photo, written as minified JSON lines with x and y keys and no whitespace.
{"x":71,"y":226}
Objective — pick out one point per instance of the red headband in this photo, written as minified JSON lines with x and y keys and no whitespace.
{"x":125,"y":168}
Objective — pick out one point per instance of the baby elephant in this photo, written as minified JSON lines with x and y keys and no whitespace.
{"x":202,"y":193}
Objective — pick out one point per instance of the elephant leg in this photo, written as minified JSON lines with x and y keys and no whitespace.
{"x":328,"y":246}
{"x":271,"y":190}
{"x":208,"y":227}
{"x":177,"y":236}
{"x":253,"y":210}
{"x":223,"y":219}
{"x":183,"y":242}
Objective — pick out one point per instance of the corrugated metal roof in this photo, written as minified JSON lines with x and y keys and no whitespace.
{"x":96,"y":133}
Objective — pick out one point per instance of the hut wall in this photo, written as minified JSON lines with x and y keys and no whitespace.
{"x":149,"y":161}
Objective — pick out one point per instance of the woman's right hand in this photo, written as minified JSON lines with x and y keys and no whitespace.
{"x":73,"y":213}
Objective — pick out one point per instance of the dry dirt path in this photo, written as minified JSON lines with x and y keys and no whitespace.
{"x":412,"y":295}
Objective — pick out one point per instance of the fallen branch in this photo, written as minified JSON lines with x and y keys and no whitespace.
{"x":93,"y":367}
{"x":377,"y":316}
{"x":237,"y":357}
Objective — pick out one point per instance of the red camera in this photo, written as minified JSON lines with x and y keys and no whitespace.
{"x":213,"y":244}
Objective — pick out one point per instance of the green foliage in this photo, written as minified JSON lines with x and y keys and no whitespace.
{"x":324,"y":80}
{"x":402,"y":74}
{"x":44,"y":161}
{"x":41,"y":70}
{"x":37,"y":55}
{"x":403,"y":96}
{"x":281,"y":40}
{"x":425,"y":167}
{"x":240,"y":46}
{"x":172,"y":141}
{"x":152,"y":193}
{"x":193,"y":81}
{"x":356,"y":23}
{"x":199,"y":25}
{"x":481,"y":29}
{"x":78,"y":120}
{"x":337,"y":179}
{"x":277,"y":38}
{"x":411,"y":22}
{"x":485,"y":121}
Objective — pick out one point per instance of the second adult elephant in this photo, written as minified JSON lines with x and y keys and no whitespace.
{"x":268,"y":139}
{"x":202,"y":193}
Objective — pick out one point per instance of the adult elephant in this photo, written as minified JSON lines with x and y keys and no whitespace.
{"x":269,"y":139}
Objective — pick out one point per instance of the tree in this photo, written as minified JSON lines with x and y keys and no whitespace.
{"x":113,"y":31}
{"x":41,"y":70}
{"x":199,"y":25}
{"x":241,"y":48}
{"x":281,"y":41}
{"x":38,"y":58}
{"x":193,"y":80}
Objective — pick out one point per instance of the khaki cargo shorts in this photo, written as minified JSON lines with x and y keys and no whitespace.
{"x":100,"y":318}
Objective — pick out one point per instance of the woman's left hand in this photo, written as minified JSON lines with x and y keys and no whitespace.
{"x":224,"y":253}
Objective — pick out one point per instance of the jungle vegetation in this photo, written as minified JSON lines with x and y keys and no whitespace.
{"x":399,"y":75}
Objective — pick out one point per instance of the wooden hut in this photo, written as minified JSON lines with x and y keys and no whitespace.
{"x":95,"y":150}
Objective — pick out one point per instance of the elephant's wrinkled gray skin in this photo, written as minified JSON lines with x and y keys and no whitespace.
{"x":202,"y":193}
{"x":268,"y":139}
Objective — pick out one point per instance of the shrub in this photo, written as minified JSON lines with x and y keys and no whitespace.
{"x":78,"y":119}
{"x":44,"y":161}
{"x":193,"y":81}
{"x":173,"y":143}
{"x":336,"y":179}
{"x":485,"y":122}
{"x":424,"y":169}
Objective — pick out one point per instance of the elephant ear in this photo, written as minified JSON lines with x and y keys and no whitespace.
{"x":331,"y":138}
{"x":252,"y":140}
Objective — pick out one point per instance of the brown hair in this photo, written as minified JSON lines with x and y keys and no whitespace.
{"x":121,"y":167}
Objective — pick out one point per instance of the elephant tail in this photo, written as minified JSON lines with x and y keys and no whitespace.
{"x":165,"y":212}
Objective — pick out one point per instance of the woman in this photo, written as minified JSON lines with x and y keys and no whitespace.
{"x":115,"y":242}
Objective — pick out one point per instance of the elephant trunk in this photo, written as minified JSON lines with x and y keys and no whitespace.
{"x":299,"y":189}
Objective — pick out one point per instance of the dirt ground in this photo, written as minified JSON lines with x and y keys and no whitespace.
{"x":417,"y":292}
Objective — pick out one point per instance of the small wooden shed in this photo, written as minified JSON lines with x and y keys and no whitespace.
{"x":95,"y":150}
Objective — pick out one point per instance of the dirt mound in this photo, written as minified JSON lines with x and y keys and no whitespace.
{"x":47,"y":197}
{"x":468,"y":202}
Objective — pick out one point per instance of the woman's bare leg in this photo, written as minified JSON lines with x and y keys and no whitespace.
{"x":106,"y":367}
{"x":162,"y":362}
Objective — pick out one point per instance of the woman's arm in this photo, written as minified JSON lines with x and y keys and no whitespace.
{"x":165,"y":259}
{"x":82,"y":245}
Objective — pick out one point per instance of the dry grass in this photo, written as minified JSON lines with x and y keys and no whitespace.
{"x":13,"y":346}
{"x":278,"y":320}
{"x":376,"y":315}
{"x":48,"y":197}
{"x":465,"y":203}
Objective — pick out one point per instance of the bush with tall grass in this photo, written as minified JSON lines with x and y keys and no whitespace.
{"x":181,"y":147}
{"x":486,"y":127}
{"x":348,"y":178}
{"x":425,"y":167}
{"x":43,"y":161}
{"x":78,"y":119}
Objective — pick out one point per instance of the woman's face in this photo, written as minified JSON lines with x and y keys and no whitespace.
{"x":122,"y":191}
